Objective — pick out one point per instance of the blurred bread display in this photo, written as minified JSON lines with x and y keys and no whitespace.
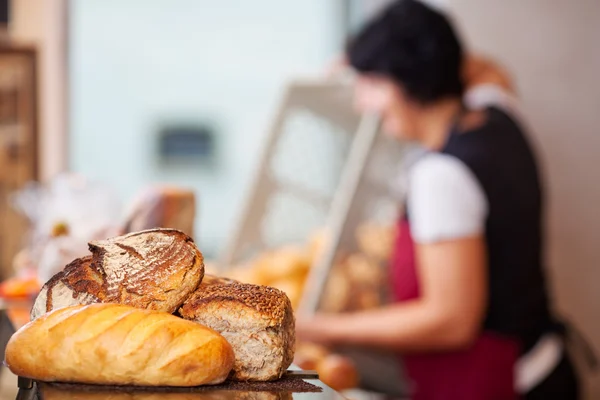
{"x":376,"y":240}
{"x":355,"y":282}
{"x":164,"y":207}
{"x":336,"y":371}
{"x":287,"y":262}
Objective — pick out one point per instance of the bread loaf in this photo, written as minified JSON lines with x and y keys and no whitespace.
{"x":257,"y":321}
{"x":113,"y":344}
{"x":156,"y":269}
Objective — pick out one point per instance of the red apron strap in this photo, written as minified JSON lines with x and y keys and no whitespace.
{"x":482,"y":372}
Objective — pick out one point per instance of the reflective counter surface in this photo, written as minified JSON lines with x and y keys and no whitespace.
{"x":288,"y":388}
{"x":52,"y":392}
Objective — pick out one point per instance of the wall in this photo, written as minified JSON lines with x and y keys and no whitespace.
{"x":142,"y":62}
{"x":552,"y":49}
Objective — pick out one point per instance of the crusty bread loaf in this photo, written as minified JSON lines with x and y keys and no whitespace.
{"x":156,"y":269}
{"x":257,"y":321}
{"x":118,"y":345}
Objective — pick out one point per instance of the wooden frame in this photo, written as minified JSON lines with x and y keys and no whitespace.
{"x":29,"y":86}
{"x":19,"y":141}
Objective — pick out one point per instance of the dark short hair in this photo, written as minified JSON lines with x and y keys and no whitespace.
{"x":414,"y":45}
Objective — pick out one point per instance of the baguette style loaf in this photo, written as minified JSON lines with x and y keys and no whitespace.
{"x":156,"y":269}
{"x":111,"y":344}
{"x":257,"y":321}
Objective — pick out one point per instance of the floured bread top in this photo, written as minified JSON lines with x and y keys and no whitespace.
{"x":136,"y":264}
{"x":156,"y":269}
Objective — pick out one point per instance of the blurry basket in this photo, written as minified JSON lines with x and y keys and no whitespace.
{"x":322,"y":166}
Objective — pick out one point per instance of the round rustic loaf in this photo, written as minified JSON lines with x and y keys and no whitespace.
{"x":156,"y":269}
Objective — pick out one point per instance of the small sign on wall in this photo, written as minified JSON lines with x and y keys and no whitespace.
{"x":186,"y":143}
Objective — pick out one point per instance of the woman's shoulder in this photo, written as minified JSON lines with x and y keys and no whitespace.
{"x":440,"y":169}
{"x":445,"y":199}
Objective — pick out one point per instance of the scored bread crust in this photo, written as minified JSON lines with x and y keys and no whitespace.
{"x":112,"y":344}
{"x":258,"y":322}
{"x":156,"y":269}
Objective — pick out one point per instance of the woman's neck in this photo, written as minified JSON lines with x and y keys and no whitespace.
{"x":436,"y":121}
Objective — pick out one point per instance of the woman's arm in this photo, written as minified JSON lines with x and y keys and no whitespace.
{"x":448,"y":315}
{"x":448,"y":210}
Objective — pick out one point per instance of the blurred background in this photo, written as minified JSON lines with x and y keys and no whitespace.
{"x":104,"y":103}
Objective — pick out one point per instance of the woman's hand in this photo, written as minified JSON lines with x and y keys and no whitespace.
{"x":313,"y":328}
{"x":321,"y":328}
{"x":482,"y":71}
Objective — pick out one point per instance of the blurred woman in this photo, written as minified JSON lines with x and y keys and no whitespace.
{"x":472,"y":317}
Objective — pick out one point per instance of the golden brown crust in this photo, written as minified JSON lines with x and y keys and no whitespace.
{"x":114,"y":344}
{"x":267,"y":301}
